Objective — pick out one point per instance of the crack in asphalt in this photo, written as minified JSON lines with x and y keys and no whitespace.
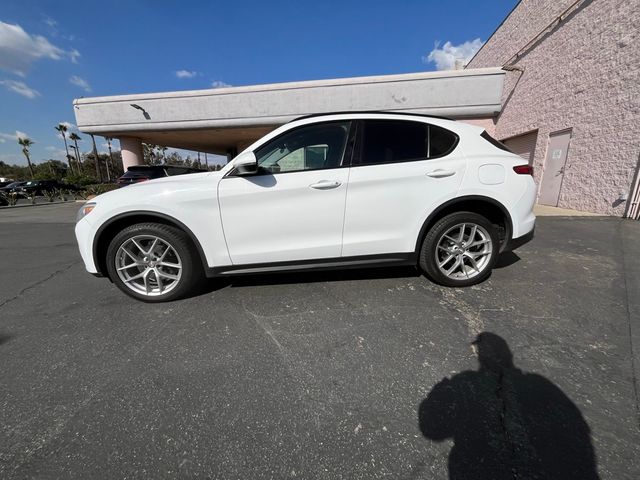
{"x":39,"y":282}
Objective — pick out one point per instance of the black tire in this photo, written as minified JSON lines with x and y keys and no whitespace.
{"x":428,"y":252}
{"x":192,"y":272}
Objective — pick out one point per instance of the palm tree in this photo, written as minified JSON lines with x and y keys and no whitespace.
{"x":62,"y":128}
{"x":108,"y":139}
{"x":75,"y":137}
{"x":97,"y":160}
{"x":26,"y":143}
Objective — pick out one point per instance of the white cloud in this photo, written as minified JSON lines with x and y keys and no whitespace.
{"x":8,"y":136}
{"x":20,"y":135}
{"x":56,"y":152}
{"x":186,"y":73}
{"x":220,"y":84}
{"x":18,"y":49}
{"x":80,"y":82}
{"x":20,"y":88}
{"x":51,"y":22}
{"x":445,"y":57}
{"x":73,"y":54}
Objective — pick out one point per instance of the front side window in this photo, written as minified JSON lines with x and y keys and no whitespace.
{"x":311,"y":147}
{"x":391,"y":141}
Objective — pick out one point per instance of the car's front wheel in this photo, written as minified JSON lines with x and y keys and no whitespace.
{"x":154,"y":262}
{"x":460,"y":250}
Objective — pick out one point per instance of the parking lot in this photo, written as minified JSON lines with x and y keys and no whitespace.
{"x":332,"y":375}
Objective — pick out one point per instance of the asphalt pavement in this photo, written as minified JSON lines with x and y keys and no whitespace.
{"x":366,"y":374}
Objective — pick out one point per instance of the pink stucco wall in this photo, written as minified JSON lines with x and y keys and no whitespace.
{"x":583,"y":75}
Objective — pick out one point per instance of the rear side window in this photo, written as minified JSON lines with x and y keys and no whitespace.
{"x":391,"y":141}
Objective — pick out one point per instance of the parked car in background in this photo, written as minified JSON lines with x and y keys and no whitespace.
{"x":326,"y":191}
{"x":4,"y":183}
{"x":12,"y":187}
{"x":40,"y":187}
{"x":142,"y":173}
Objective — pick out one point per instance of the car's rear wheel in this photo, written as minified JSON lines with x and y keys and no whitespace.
{"x":460,"y":250}
{"x":154,"y":262}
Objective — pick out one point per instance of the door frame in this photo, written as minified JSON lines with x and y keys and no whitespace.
{"x":544,"y":165}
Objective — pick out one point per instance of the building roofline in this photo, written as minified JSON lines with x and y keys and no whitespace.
{"x":404,"y":77}
{"x":494,"y":32}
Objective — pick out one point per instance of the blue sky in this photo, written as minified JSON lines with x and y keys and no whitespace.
{"x":54,"y":51}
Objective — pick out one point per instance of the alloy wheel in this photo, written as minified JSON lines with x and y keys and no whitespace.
{"x":464,"y":251}
{"x":148,"y":265}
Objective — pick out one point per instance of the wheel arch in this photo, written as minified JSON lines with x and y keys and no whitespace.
{"x":111,"y":227}
{"x":488,"y":207}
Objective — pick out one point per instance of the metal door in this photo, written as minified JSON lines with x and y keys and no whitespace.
{"x":554,"y":166}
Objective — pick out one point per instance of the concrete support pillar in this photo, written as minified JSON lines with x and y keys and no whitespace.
{"x":131,"y":150}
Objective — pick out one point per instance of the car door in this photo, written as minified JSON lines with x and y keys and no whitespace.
{"x":293,"y":208}
{"x":401,"y":171}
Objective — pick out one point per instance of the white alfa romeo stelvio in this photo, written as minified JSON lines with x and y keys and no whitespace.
{"x":329,"y":191}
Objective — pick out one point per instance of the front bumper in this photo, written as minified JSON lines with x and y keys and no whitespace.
{"x":84,"y":236}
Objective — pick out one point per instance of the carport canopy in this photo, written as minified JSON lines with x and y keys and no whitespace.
{"x":226,"y":120}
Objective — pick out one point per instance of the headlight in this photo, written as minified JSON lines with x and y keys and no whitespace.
{"x":85,"y":210}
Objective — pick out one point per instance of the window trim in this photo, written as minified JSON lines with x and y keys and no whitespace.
{"x":347,"y":156}
{"x":360,"y":142}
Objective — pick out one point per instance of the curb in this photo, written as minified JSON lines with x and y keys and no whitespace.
{"x":41,"y":204}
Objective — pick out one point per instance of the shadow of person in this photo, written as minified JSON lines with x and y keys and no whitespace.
{"x":506,"y":423}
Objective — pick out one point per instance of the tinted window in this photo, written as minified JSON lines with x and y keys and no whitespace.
{"x":387,"y":141}
{"x":310,"y":147}
{"x":441,"y":142}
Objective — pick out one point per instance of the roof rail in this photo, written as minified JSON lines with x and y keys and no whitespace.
{"x":377,"y":112}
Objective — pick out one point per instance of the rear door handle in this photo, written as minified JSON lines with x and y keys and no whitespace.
{"x":325,"y":185}
{"x":440,"y":173}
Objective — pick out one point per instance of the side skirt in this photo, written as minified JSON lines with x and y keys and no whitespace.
{"x":364,"y":261}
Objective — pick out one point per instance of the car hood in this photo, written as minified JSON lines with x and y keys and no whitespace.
{"x":165,"y":186}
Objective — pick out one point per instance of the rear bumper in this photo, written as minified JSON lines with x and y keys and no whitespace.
{"x":518,"y":242}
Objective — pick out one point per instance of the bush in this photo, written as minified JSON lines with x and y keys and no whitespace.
{"x":100,"y":188}
{"x":80,"y":180}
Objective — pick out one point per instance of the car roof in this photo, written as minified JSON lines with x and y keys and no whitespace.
{"x":371,"y":112}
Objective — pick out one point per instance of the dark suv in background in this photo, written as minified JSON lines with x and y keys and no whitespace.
{"x":142,"y":173}
{"x":40,"y":187}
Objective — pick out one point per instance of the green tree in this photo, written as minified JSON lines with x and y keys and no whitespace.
{"x":26,"y":142}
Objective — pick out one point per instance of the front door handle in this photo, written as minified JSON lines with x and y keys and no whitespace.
{"x":440,"y":173}
{"x":325,"y":185}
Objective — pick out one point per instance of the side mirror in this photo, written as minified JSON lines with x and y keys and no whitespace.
{"x":246,"y":164}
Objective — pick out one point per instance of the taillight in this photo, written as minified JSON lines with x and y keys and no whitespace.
{"x":523,"y":169}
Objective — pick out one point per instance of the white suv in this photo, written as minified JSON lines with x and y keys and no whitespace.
{"x":341,"y":190}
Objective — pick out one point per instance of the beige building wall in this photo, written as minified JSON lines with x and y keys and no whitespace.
{"x":583,"y":74}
